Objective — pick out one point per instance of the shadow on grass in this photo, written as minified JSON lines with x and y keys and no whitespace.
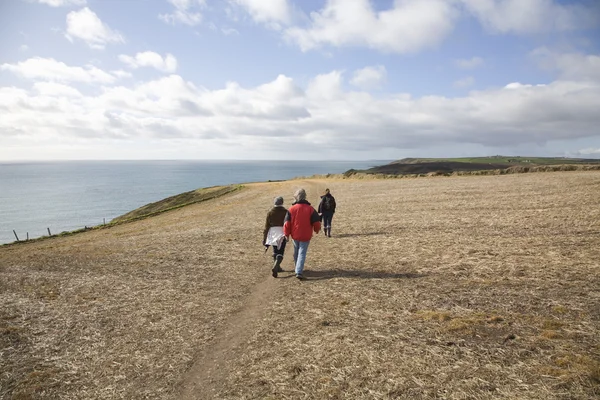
{"x":345,"y":235}
{"x":310,"y":275}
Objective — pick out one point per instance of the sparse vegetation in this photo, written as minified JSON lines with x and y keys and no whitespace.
{"x":508,"y":160}
{"x":153,"y":209}
{"x":483,"y":287}
{"x":178,"y":201}
{"x":496,"y":165}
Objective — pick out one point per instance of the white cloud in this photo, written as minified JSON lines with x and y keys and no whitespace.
{"x":464,"y":82}
{"x":38,"y":68}
{"x":121,"y":74}
{"x":369,"y":77}
{"x":273,"y":13}
{"x":185,"y":12}
{"x":410,"y":25}
{"x":516,"y":85}
{"x":61,"y":3}
{"x":229,"y":31}
{"x":86,"y":25}
{"x":469,"y":63}
{"x":23,"y":48}
{"x":569,"y":65}
{"x":151,"y":59}
{"x":590,"y":151}
{"x":326,"y":86}
{"x":236,"y":120}
{"x":532,"y":16}
{"x":53,"y":89}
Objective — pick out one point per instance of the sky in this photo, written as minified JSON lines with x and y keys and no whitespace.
{"x":298,"y":79}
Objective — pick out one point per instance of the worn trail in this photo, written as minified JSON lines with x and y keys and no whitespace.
{"x":211,"y":368}
{"x":204,"y":380}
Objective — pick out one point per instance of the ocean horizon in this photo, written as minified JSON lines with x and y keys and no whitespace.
{"x":67,"y":195}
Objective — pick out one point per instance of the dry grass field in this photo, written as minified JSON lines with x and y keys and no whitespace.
{"x":477,"y":287}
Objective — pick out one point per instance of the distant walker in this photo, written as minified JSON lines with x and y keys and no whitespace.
{"x":326,"y":211}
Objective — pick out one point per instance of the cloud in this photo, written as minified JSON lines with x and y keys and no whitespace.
{"x":413,"y":25}
{"x":49,"y":69}
{"x":518,"y":85}
{"x":121,"y":74}
{"x":408,"y":26}
{"x":230,"y":31}
{"x":86,"y":25}
{"x":590,"y":151}
{"x":53,"y":89}
{"x":186,"y":12}
{"x":470,"y":63}
{"x":326,"y":86}
{"x":151,"y":59}
{"x":464,"y":82}
{"x":369,"y":77}
{"x":23,"y":48}
{"x":575,"y":66}
{"x":280,"y":114}
{"x":273,"y":13}
{"x":532,"y":16}
{"x":61,"y":3}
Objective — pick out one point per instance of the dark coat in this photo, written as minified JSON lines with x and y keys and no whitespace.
{"x":275,"y":217}
{"x":331,"y":201}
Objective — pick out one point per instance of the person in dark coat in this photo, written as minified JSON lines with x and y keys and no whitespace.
{"x":273,"y":234}
{"x":326,"y":211}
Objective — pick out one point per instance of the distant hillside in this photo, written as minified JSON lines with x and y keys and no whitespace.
{"x":505,"y":160}
{"x":409,"y":166}
{"x":180,"y":200}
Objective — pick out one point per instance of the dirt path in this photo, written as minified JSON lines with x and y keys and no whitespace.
{"x":206,"y":377}
{"x":487,"y":288}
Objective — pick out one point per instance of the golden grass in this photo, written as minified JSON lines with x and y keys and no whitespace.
{"x":479,"y":287}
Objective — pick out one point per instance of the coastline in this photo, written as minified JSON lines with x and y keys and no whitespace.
{"x":179,"y":304}
{"x":181,"y":200}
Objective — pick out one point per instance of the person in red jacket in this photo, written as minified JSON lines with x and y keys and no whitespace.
{"x":300,"y":222}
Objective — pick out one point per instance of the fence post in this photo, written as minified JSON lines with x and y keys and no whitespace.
{"x":49,"y":234}
{"x":16,"y":235}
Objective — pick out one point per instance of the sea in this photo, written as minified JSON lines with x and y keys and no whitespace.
{"x":58,"y":196}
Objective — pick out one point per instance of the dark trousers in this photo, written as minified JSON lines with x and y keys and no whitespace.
{"x":278,"y":251}
{"x":327,"y":217}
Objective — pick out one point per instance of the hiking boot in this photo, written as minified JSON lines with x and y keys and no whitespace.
{"x":277,"y":265}
{"x":300,"y":276}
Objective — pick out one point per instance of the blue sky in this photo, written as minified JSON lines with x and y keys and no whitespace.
{"x":291,"y":79}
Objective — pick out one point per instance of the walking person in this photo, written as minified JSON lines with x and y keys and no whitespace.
{"x":273,"y":234}
{"x":326,"y":211}
{"x":301,"y":221}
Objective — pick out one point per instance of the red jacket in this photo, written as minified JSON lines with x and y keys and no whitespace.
{"x":301,"y":220}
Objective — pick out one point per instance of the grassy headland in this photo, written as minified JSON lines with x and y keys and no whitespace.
{"x":149,"y":210}
{"x":479,"y":165}
{"x":483,"y":287}
{"x":177,"y":201}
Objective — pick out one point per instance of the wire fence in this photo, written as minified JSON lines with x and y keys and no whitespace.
{"x":86,"y":227}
